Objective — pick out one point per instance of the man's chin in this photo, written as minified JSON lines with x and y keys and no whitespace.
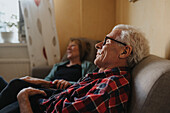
{"x":96,"y":62}
{"x":68,"y":57}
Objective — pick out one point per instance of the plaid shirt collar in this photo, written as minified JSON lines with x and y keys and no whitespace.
{"x":108,"y":73}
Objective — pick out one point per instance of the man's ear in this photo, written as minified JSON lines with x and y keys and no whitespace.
{"x":126,"y":52}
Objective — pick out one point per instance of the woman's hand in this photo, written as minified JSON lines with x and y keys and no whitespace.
{"x":37,"y":81}
{"x":61,"y":84}
{"x":23,"y":98}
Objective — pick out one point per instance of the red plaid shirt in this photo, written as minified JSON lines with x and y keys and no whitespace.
{"x":105,"y":92}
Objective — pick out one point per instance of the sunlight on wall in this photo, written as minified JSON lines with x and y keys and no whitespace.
{"x":152,"y":17}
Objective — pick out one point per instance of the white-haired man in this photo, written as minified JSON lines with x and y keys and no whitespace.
{"x":104,"y":91}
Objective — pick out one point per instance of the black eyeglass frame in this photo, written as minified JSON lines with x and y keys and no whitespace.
{"x":113,"y":40}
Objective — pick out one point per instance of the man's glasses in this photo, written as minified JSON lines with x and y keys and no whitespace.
{"x":113,"y":40}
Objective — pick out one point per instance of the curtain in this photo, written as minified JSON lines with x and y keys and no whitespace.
{"x":41,"y":34}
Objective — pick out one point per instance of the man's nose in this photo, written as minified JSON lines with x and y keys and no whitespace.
{"x":99,"y":45}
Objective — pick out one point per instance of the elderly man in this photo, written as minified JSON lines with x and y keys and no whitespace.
{"x":104,"y":91}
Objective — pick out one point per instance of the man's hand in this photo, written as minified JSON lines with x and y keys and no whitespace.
{"x":23,"y":98}
{"x":61,"y":84}
{"x":37,"y":81}
{"x":27,"y":92}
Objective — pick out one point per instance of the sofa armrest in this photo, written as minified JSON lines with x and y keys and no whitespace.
{"x":41,"y":71}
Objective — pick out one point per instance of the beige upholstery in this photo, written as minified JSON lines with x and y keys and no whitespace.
{"x":151,"y":86}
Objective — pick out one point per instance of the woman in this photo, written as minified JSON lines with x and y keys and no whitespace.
{"x":75,"y":67}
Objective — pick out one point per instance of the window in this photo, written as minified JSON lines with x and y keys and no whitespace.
{"x":9,"y":17}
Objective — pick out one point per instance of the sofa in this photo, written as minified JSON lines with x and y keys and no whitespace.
{"x":150,"y":85}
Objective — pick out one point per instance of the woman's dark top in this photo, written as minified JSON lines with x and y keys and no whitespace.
{"x":72,"y":73}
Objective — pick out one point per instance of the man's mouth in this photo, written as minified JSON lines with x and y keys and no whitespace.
{"x":68,"y":51}
{"x":98,"y":54}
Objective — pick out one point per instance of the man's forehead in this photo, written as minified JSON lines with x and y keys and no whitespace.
{"x":114,"y":33}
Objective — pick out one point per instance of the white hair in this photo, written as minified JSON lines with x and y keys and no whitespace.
{"x":136,"y":39}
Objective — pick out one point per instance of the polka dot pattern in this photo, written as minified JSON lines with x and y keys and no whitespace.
{"x":30,"y":40}
{"x":39,"y":26}
{"x":26,"y":12}
{"x":49,"y":11}
{"x":54,"y":41}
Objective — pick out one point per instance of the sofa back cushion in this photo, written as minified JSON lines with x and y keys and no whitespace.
{"x":150,"y":86}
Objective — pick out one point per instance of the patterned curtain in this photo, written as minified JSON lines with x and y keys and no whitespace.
{"x":41,"y":35}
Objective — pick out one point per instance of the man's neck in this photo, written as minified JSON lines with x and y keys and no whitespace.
{"x":111,"y":67}
{"x":101,"y":70}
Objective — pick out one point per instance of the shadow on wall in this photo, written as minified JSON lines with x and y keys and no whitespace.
{"x":167,"y":54}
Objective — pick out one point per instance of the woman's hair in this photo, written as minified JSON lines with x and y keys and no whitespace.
{"x":136,"y":39}
{"x":84,"y":47}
